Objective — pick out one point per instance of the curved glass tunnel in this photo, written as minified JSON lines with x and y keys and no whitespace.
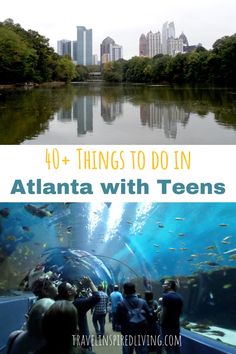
{"x":114,"y":242}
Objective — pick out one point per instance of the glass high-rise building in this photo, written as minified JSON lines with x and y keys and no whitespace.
{"x":84,"y":46}
{"x":64,"y":47}
{"x":110,"y":51}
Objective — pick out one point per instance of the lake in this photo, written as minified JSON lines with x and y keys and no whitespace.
{"x":98,"y":113}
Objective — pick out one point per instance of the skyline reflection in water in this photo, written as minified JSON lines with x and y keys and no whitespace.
{"x":122,"y":114}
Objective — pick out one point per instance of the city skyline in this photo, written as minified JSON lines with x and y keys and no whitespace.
{"x":203,"y":21}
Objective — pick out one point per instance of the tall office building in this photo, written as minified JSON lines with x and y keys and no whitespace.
{"x":170,"y":44}
{"x":95,"y":59}
{"x":165,"y":36}
{"x":110,"y":51}
{"x":64,"y":47}
{"x":150,"y":45}
{"x":175,"y":46}
{"x":171,"y":30}
{"x":84,"y":46}
{"x":153,"y":44}
{"x":117,"y":52}
{"x":74,"y":51}
{"x":142,"y":45}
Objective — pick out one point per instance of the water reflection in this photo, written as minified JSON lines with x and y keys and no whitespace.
{"x":106,"y":114}
{"x":80,"y":111}
{"x":163,"y":116}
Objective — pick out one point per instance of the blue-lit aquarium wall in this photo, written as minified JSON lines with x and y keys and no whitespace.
{"x":113,"y":242}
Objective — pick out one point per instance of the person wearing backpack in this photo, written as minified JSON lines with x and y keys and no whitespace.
{"x":172,"y":305}
{"x":132,"y":314}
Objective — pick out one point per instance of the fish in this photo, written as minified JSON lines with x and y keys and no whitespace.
{"x":172,"y":249}
{"x":26,"y":228}
{"x":230,"y":251}
{"x":212,"y":264}
{"x":227,"y":238}
{"x":194,"y":255}
{"x":160,"y":225}
{"x":129,"y":222}
{"x":183,"y":249}
{"x":225,"y":242}
{"x":211,"y":247}
{"x":40,"y":212}
{"x":181,"y":234}
{"x":5,"y":212}
{"x":11,"y":238}
{"x":156,"y":245}
{"x":223,"y":225}
{"x":179,"y":218}
{"x":232,"y":257}
{"x":227,"y":286}
{"x":69,"y":229}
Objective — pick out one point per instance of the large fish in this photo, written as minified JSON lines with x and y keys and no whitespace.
{"x":41,"y":212}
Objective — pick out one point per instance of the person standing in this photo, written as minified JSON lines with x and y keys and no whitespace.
{"x":153,"y":329}
{"x":172,"y":305}
{"x":115,"y":298}
{"x":99,"y":312}
{"x":83,"y":304}
{"x":133,"y":314}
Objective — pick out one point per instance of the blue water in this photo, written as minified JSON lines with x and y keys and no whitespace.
{"x":193,"y":242}
{"x":133,"y":239}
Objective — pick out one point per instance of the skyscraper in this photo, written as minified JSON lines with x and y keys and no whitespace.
{"x":84,"y":46}
{"x":142,"y":46}
{"x":171,"y":30}
{"x":153,"y":44}
{"x":165,"y":36}
{"x":64,"y":47}
{"x":110,"y":51}
{"x":150,"y":45}
{"x":170,"y":44}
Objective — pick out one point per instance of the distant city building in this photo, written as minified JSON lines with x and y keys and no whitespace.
{"x":171,"y":30}
{"x":165,"y":36}
{"x":142,"y":45}
{"x":174,"y":46}
{"x":117,"y":52}
{"x":110,"y":51}
{"x":186,"y":47}
{"x":79,"y":50}
{"x":153,"y":44}
{"x":105,"y":58}
{"x":84,"y":46}
{"x":95,"y":59}
{"x":184,"y":39}
{"x":165,"y":43}
{"x":64,"y":47}
{"x":74,"y":51}
{"x":150,"y":45}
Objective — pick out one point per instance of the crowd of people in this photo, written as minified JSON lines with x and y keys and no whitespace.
{"x":57,"y":322}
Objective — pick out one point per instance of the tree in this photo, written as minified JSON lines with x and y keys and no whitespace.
{"x":66,"y":70}
{"x":112,"y":71}
{"x":17,"y":58}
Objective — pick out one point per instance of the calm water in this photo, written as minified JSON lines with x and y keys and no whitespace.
{"x":122,"y":114}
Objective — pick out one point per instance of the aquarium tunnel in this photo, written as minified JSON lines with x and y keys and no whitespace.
{"x":194,"y":243}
